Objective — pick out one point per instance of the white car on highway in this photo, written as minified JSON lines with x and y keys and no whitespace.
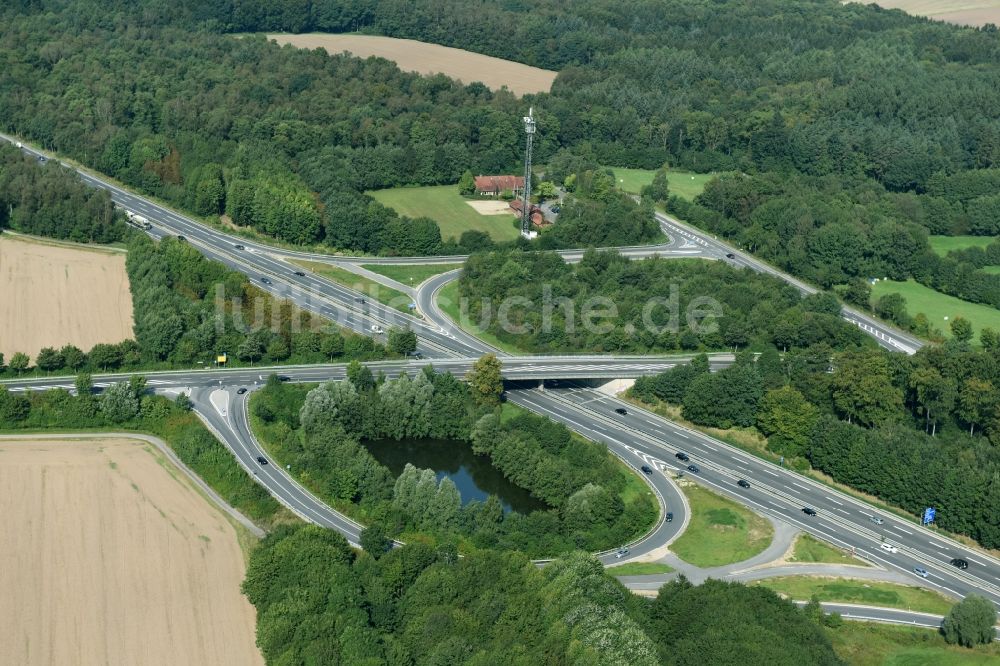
{"x":889,"y":548}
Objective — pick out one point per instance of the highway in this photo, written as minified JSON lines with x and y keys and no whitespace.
{"x":534,"y":368}
{"x":638,"y":436}
{"x":774,"y":490}
{"x":225,"y":413}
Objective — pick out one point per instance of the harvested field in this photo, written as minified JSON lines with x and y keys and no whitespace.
{"x":57,"y":294}
{"x":112,"y":557}
{"x":491,"y":207}
{"x":961,"y":12}
{"x":423,"y":58}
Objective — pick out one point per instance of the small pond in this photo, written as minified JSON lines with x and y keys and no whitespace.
{"x":474,"y":476}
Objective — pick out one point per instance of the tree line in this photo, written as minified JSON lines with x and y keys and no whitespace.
{"x":322,"y":433}
{"x":914,"y":431}
{"x":189,"y":308}
{"x":607,"y":302}
{"x":705,"y":88}
{"x":838,"y":235}
{"x":51,"y":201}
{"x":319,"y":601}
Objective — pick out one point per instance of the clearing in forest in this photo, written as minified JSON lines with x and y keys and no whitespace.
{"x":112,"y":557}
{"x":453,"y":214}
{"x":54,"y":294}
{"x":423,"y":58}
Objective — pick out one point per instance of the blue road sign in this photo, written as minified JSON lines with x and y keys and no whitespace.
{"x":929,"y":514}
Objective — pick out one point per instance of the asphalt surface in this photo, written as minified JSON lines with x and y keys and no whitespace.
{"x":525,"y":368}
{"x":638,"y":436}
{"x":225,"y":413}
{"x":779,"y":492}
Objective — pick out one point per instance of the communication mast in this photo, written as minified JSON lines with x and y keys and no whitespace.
{"x":529,"y":131}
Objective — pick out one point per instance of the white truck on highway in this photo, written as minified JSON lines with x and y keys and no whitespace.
{"x":138,"y":221}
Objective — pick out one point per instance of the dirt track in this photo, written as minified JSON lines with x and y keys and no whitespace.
{"x":424,"y":58}
{"x":110,"y":557}
{"x":53,"y":295}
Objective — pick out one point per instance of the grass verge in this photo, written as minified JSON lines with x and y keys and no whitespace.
{"x":868,"y":592}
{"x":410,"y":274}
{"x":641,"y":569}
{"x":810,"y":549}
{"x":871,"y":644}
{"x":685,"y":184}
{"x":444,"y":205}
{"x":938,"y":306}
{"x":448,"y":301}
{"x":720,"y":531}
{"x":345,"y":278}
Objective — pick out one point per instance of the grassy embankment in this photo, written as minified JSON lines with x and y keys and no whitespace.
{"x":444,"y":205}
{"x":449,"y":301}
{"x":866,"y":592}
{"x":410,"y":274}
{"x":870,"y":644}
{"x":387,"y":295}
{"x":641,"y":569}
{"x":720,"y":531}
{"x":685,"y":184}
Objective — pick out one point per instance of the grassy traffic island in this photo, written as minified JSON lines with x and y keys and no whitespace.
{"x":809,"y":549}
{"x":720,"y":531}
{"x":341,"y":438}
{"x":410,"y":274}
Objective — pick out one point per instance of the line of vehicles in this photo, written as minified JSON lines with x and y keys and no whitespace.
{"x":957,"y":562}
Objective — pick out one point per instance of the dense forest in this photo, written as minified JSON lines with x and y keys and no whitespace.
{"x":915,"y":431}
{"x":320,"y":602}
{"x":607,"y":302}
{"x":189,"y":308}
{"x":51,"y":201}
{"x":853,"y":96}
{"x":322,"y":434}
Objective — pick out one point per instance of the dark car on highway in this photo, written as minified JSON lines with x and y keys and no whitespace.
{"x":809,"y":511}
{"x":239,"y":247}
{"x":743,"y":483}
{"x":284,"y":378}
{"x":241,"y":390}
{"x":670,"y":516}
{"x":960,"y":563}
{"x":265,"y":280}
{"x":262,"y":460}
{"x":646,"y":469}
{"x":181,"y":238}
{"x":300,"y":273}
{"x":694,"y":469}
{"x":621,"y":410}
{"x":730,"y":255}
{"x":680,"y":455}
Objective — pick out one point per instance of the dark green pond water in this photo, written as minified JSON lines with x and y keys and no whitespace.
{"x":475,"y":478}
